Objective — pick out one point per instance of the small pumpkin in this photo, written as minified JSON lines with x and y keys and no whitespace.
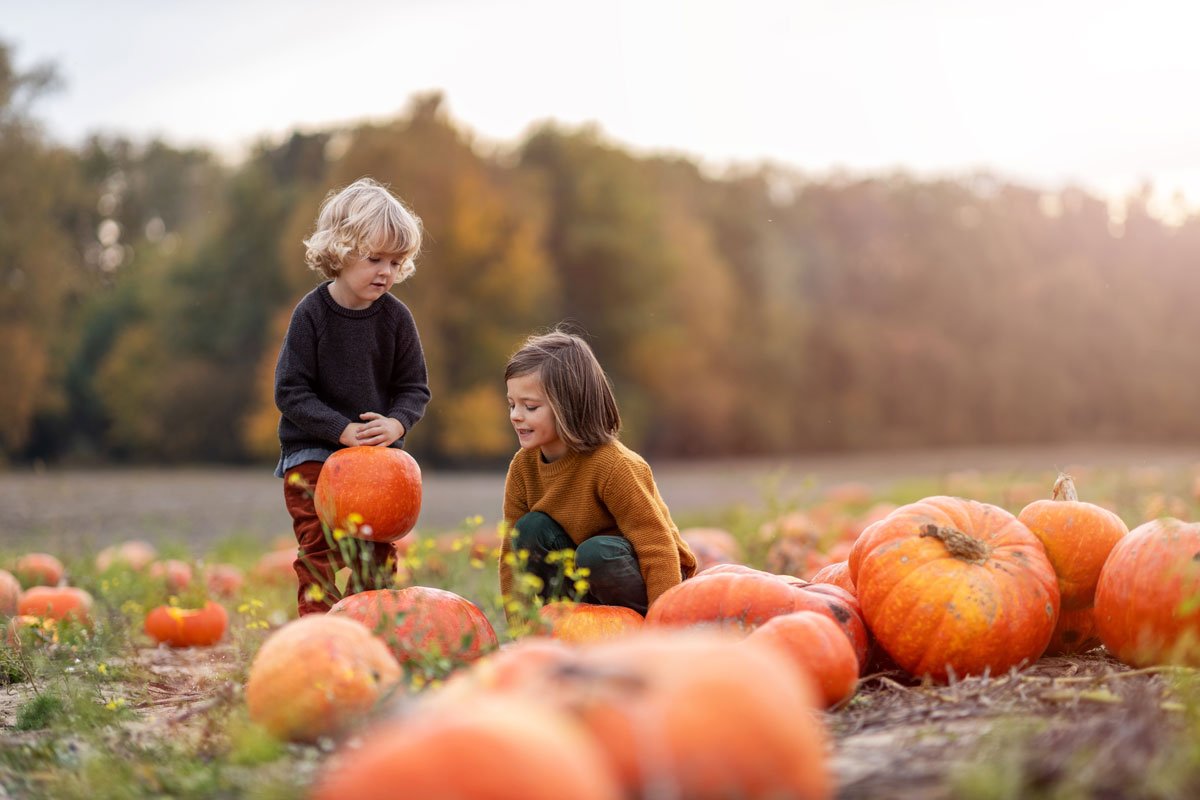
{"x":134,"y":554}
{"x":176,"y":575}
{"x":1078,"y":537}
{"x":712,"y":546}
{"x":371,"y":493}
{"x":951,"y":586}
{"x":318,"y":676}
{"x":224,"y":580}
{"x":419,"y":621}
{"x":817,"y":645}
{"x":187,"y":627}
{"x":1148,"y":595}
{"x":59,"y":603}
{"x":10,"y":593}
{"x":39,"y":569}
{"x":588,"y":622}
{"x":275,"y":568}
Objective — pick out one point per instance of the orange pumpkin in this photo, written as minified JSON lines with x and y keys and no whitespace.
{"x":816,"y":644}
{"x":318,"y":676}
{"x":420,"y":621}
{"x":224,"y":580}
{"x":187,"y":627}
{"x":498,"y":748}
{"x":950,"y":586}
{"x":740,"y":598}
{"x":1147,"y":609}
{"x":176,"y":575}
{"x":57,"y":603}
{"x":10,"y":593}
{"x":589,"y":622}
{"x":712,"y":546}
{"x":38,"y":569}
{"x":134,"y":554}
{"x":275,"y":568}
{"x":1078,"y":537}
{"x":371,"y":493}
{"x":660,"y":705}
{"x":837,"y":573}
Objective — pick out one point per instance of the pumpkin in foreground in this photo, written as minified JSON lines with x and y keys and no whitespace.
{"x":187,"y":627}
{"x":1148,"y":596}
{"x":951,"y":586}
{"x":370,"y":493}
{"x":495,"y":748}
{"x":816,"y":644}
{"x":318,"y":676}
{"x":59,"y":603}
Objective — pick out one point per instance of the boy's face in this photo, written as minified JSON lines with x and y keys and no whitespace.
{"x":531,"y":417}
{"x":365,"y":278}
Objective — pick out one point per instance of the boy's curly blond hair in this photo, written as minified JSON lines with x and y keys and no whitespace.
{"x":363,"y":218}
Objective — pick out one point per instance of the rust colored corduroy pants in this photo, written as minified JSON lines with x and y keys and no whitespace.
{"x":319,"y":556}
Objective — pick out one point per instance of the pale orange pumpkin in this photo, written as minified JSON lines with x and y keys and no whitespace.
{"x":589,"y":622}
{"x":224,"y":580}
{"x":39,"y":569}
{"x":134,"y":554}
{"x":176,"y":575}
{"x":318,"y":676}
{"x":371,"y":493}
{"x":10,"y":593}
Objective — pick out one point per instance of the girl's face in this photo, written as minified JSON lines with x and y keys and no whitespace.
{"x":365,"y":278}
{"x":531,"y":417}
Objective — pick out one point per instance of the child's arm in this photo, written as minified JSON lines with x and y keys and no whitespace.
{"x":515,"y":507}
{"x":643,"y":518}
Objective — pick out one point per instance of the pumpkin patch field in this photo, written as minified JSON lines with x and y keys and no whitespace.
{"x":969,"y":633}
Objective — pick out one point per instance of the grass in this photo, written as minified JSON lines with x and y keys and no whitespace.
{"x":100,"y":712}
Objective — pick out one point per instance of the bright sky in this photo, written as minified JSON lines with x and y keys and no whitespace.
{"x":1047,"y":92}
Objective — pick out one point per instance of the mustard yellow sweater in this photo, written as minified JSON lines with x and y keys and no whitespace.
{"x":607,"y":491}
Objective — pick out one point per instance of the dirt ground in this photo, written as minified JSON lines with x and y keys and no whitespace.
{"x":61,"y":511}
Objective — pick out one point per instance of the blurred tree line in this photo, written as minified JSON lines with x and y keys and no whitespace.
{"x":144,"y":290}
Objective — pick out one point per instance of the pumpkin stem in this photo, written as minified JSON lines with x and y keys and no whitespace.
{"x":1064,"y":488}
{"x":959,"y":544}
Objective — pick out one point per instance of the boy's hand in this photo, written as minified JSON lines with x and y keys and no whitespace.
{"x":376,"y":430}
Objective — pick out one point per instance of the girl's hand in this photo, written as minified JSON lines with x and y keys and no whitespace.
{"x":377,"y":430}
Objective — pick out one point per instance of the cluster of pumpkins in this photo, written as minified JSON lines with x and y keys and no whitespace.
{"x":942,"y":588}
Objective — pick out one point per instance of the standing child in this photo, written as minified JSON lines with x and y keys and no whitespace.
{"x":574,"y":486}
{"x":350,"y":372}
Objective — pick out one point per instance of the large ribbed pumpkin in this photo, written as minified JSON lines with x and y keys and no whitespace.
{"x":421,"y":622}
{"x":951,"y":586}
{"x":370,"y":493}
{"x":1148,"y":595}
{"x":1078,"y":537}
{"x":318,"y":676}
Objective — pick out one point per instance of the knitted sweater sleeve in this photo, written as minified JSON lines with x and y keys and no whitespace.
{"x":631,"y":496}
{"x":516,"y":505}
{"x":296,"y":377}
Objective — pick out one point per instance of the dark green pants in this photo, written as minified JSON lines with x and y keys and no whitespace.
{"x":614,"y":578}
